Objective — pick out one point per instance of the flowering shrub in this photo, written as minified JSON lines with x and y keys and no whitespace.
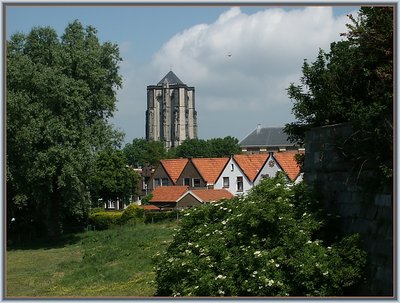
{"x":264,"y":244}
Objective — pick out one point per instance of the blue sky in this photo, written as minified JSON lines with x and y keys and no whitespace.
{"x":233,"y":94}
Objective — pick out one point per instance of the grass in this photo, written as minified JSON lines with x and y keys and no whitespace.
{"x":111,"y":263}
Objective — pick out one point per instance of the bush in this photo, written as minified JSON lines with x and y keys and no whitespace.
{"x":96,"y":210}
{"x":104,"y":220}
{"x":153,"y":217}
{"x":132,"y":214}
{"x":265,"y":244}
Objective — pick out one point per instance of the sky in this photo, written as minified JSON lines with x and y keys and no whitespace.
{"x":240,"y":59}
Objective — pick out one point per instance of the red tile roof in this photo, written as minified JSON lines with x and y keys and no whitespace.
{"x":168,"y":193}
{"x":210,"y":168}
{"x":174,"y":167}
{"x":149,"y":207}
{"x":251,"y":164}
{"x":211,"y":195}
{"x":288,"y":163}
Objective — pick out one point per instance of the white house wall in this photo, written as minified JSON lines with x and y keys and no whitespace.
{"x":233,"y":174}
{"x":270,"y":168}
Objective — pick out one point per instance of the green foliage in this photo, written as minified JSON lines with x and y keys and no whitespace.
{"x":132,"y":214}
{"x":265,"y":244}
{"x":96,"y":210}
{"x":60,"y":93}
{"x":146,"y":199}
{"x":113,"y":179}
{"x":141,"y":152}
{"x":353,"y":83}
{"x":105,"y":220}
{"x":212,"y":148}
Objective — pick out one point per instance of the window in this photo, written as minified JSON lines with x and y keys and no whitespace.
{"x":232,"y":167}
{"x":186,"y":181}
{"x":239,"y":182}
{"x":226,"y":182}
{"x":157,"y":182}
{"x":164,"y":182}
{"x":196,"y":182}
{"x":264,"y":176}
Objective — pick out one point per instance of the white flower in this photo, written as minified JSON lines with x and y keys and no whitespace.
{"x":257,"y":253}
{"x":220,"y":277}
{"x":277,"y":265}
{"x":325,"y":273}
{"x":309,"y":242}
{"x":221,"y":292}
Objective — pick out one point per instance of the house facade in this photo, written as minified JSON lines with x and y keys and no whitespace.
{"x":233,"y":179}
{"x":167,"y":173}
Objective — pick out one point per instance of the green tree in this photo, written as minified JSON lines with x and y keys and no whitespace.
{"x":212,"y":148}
{"x":224,"y":147}
{"x":266,"y":244}
{"x":141,"y":152}
{"x":60,"y":93}
{"x":113,"y":178}
{"x":353,"y":83}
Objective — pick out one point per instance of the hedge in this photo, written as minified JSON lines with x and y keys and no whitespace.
{"x":104,"y":220}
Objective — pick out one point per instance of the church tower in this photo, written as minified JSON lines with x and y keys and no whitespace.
{"x":171,"y":116}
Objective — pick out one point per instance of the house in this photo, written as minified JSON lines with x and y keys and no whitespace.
{"x":179,"y":197}
{"x":266,"y":139}
{"x":167,"y":173}
{"x":233,"y":178}
{"x":165,"y":197}
{"x":196,"y":197}
{"x":209,"y":169}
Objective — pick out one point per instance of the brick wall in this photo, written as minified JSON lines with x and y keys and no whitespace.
{"x":370,"y":215}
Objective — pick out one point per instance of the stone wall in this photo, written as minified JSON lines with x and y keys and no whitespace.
{"x":370,"y":215}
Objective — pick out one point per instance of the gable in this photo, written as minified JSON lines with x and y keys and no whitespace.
{"x":174,"y":167}
{"x":191,"y":172}
{"x":287,"y":162}
{"x":251,"y":165}
{"x":210,"y":168}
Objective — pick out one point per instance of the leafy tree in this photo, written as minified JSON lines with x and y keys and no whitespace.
{"x":194,"y":148}
{"x":224,"y":147}
{"x":141,"y":152}
{"x":353,"y":83}
{"x":113,"y":179}
{"x":265,"y":244}
{"x":212,"y":148}
{"x":60,"y":93}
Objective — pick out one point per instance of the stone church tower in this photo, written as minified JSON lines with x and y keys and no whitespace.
{"x":170,"y":116}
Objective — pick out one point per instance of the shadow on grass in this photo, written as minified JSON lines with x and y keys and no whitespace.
{"x":43,"y":242}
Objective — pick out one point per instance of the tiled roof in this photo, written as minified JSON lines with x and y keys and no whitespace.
{"x":210,"y":168}
{"x":149,"y":207}
{"x":288,"y":163}
{"x":251,"y":164}
{"x":266,"y":136}
{"x":211,"y":195}
{"x":174,"y":167}
{"x":168,"y":193}
{"x":171,"y":78}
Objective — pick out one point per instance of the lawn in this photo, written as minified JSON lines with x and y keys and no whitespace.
{"x":115,"y":262}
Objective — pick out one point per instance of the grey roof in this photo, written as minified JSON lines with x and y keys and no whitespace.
{"x":171,"y":78}
{"x":266,"y":136}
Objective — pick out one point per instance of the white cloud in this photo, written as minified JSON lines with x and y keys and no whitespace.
{"x":241,"y":65}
